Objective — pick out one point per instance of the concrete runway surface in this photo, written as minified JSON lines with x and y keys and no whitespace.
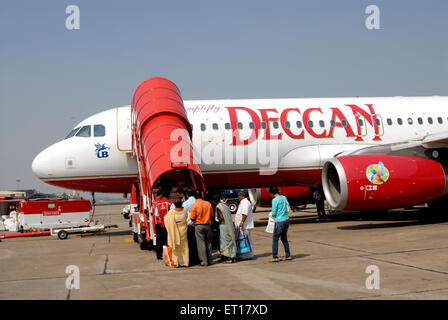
{"x":409,"y":247}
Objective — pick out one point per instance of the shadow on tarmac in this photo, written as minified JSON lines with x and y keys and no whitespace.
{"x":114,"y":233}
{"x":280,"y":246}
{"x":382,"y":219}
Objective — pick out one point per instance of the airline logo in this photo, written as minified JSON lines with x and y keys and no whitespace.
{"x":100,"y":150}
{"x":364,"y":116}
{"x":377,"y":173}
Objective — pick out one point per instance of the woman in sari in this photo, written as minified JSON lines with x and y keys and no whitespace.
{"x":176,"y":225}
{"x":227,"y":244}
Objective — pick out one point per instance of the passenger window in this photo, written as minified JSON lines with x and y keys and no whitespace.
{"x":239,"y":125}
{"x":420,"y":121}
{"x":202,"y":127}
{"x":264,"y":125}
{"x":227,"y":126}
{"x":310,"y":123}
{"x":72,"y":133}
{"x":275,"y":124}
{"x":360,"y":122}
{"x":333,"y":123}
{"x":377,"y":122}
{"x":85,"y":132}
{"x":299,"y":124}
{"x":410,"y":121}
{"x":322,"y":123}
{"x":389,"y":121}
{"x":440,"y":120}
{"x":215,"y":126}
{"x":399,"y":121}
{"x":251,"y":125}
{"x":99,"y":130}
{"x":287,"y":125}
{"x":430,"y":120}
{"x":344,"y":123}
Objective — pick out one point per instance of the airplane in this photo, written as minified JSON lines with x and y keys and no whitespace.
{"x":366,"y":153}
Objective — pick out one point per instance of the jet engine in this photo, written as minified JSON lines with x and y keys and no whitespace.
{"x":378,"y":182}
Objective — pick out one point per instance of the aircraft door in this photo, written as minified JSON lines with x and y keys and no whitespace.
{"x":123,"y":123}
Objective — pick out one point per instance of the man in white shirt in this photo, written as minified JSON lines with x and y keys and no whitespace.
{"x":244,"y":221}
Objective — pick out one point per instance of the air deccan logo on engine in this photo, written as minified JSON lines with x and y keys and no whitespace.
{"x":101,"y":150}
{"x":377,"y":173}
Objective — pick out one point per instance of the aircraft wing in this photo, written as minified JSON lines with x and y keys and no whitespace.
{"x":432,"y":141}
{"x":437,"y":140}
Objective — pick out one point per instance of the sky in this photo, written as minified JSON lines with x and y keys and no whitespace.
{"x":51,"y":78}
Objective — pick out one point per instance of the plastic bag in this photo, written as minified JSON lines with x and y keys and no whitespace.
{"x":168,"y":256}
{"x":271,"y":224}
{"x":10,"y":225}
{"x":243,"y":244}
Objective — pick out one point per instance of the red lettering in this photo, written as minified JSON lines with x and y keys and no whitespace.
{"x":284,"y":118}
{"x":337,"y":114}
{"x":236,"y":141}
{"x":369,"y":117}
{"x":306,"y":119}
{"x":265,"y":118}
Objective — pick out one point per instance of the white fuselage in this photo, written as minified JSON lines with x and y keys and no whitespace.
{"x":277,"y":141}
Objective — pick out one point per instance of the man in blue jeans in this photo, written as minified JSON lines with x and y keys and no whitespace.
{"x":280,"y":215}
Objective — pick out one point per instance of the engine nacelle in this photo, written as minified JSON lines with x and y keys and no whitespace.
{"x":376,"y":182}
{"x":296,"y":196}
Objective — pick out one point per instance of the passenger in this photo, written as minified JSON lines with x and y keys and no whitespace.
{"x":244,"y":221}
{"x":280,"y":214}
{"x":192,"y":245}
{"x":176,"y":226}
{"x":215,"y":223}
{"x":181,"y":194}
{"x":201,"y":213}
{"x":320,"y":205}
{"x":163,"y":205}
{"x":227,"y":244}
{"x":155,"y":220}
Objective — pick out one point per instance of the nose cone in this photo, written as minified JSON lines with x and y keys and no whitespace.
{"x":42,"y":164}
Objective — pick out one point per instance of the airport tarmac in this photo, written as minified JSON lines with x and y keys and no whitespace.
{"x":409,"y":247}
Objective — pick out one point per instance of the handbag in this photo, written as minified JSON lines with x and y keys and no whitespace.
{"x":168,"y":256}
{"x":271,"y":224}
{"x":243,"y":244}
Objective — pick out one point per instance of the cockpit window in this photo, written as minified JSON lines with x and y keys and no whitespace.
{"x":84,"y":132}
{"x":99,"y":130}
{"x":72,"y":133}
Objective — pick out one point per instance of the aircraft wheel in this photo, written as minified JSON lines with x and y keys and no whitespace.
{"x":233,"y":206}
{"x":438,"y":204}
